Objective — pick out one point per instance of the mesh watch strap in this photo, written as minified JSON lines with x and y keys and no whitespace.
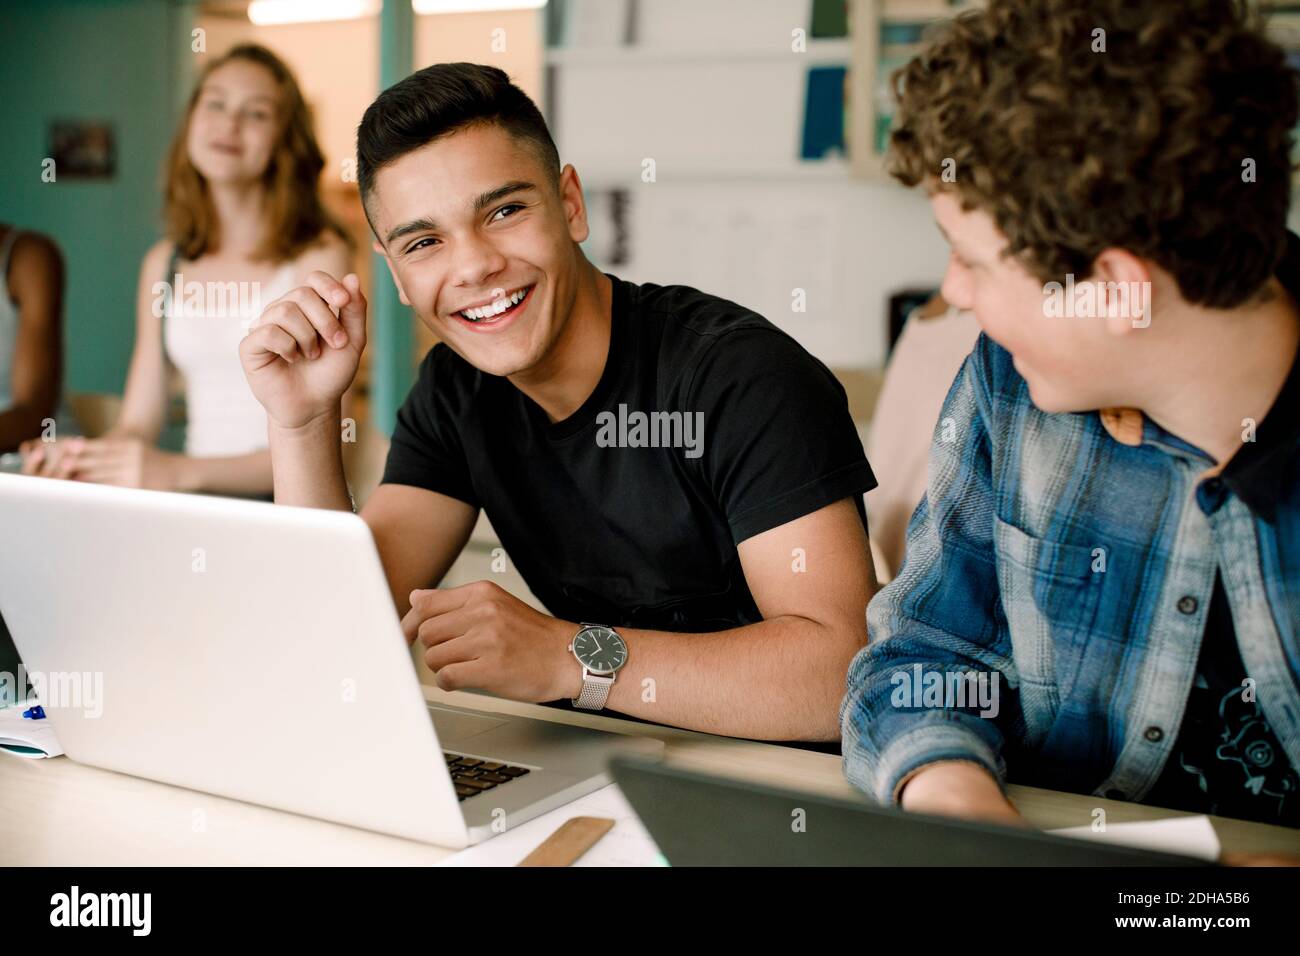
{"x":595,"y":692}
{"x":595,"y":687}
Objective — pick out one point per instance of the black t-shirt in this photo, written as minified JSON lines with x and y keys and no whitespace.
{"x":1227,"y":760}
{"x":605,"y":527}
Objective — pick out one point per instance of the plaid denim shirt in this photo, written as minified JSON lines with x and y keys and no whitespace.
{"x":1004,"y":574}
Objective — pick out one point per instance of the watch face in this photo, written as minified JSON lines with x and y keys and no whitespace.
{"x":600,"y":649}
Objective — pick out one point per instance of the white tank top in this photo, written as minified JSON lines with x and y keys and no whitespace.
{"x":202,"y":328}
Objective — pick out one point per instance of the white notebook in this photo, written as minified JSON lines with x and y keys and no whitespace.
{"x":24,"y":737}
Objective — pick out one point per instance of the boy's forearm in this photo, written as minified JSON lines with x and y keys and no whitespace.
{"x":771,"y":680}
{"x":307,"y":464}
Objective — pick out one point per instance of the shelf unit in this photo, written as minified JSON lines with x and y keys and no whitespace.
{"x":667,"y":58}
{"x":860,"y":53}
{"x":820,"y":52}
{"x":867,"y":20}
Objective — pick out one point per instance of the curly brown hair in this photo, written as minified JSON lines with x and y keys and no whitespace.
{"x":1140,"y":147}
{"x":294,"y":212}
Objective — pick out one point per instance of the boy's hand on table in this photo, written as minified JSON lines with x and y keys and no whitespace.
{"x":957,"y":788}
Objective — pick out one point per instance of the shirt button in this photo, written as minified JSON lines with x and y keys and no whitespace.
{"x":1154,"y":734}
{"x":1115,"y":794}
{"x":1188,"y":604}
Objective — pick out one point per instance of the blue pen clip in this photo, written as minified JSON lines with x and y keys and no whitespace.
{"x":35,"y":713}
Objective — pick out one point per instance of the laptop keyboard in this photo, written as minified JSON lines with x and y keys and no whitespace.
{"x":473,"y":776}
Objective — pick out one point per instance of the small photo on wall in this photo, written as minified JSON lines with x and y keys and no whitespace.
{"x":83,"y":149}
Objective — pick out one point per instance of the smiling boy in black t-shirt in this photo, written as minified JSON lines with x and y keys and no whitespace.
{"x":677,"y":480}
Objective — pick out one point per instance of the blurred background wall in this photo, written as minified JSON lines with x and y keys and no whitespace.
{"x":90,"y":59}
{"x":728,"y":144}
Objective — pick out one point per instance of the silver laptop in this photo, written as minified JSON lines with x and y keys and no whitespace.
{"x":252,"y":650}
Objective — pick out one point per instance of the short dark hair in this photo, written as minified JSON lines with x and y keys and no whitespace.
{"x":1142,"y":147}
{"x":438,"y":101}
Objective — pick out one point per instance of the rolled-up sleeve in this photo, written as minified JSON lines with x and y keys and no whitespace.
{"x":941,"y":615}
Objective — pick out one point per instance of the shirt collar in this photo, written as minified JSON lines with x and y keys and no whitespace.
{"x":1257,"y":472}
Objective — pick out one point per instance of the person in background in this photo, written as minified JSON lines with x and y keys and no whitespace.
{"x":935,"y":341}
{"x":245,"y":224}
{"x":31,"y":360}
{"x":1102,"y":581}
{"x":31,"y":334}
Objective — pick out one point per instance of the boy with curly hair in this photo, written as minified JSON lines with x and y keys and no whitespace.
{"x":1101,"y":591}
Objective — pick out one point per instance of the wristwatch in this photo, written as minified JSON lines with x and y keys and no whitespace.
{"x":601,"y":652}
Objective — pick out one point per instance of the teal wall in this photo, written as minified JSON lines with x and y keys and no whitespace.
{"x":392,"y":371}
{"x":123,"y":61}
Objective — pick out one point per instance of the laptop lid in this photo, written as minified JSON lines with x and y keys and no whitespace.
{"x":236,"y":647}
{"x":701,"y":820}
